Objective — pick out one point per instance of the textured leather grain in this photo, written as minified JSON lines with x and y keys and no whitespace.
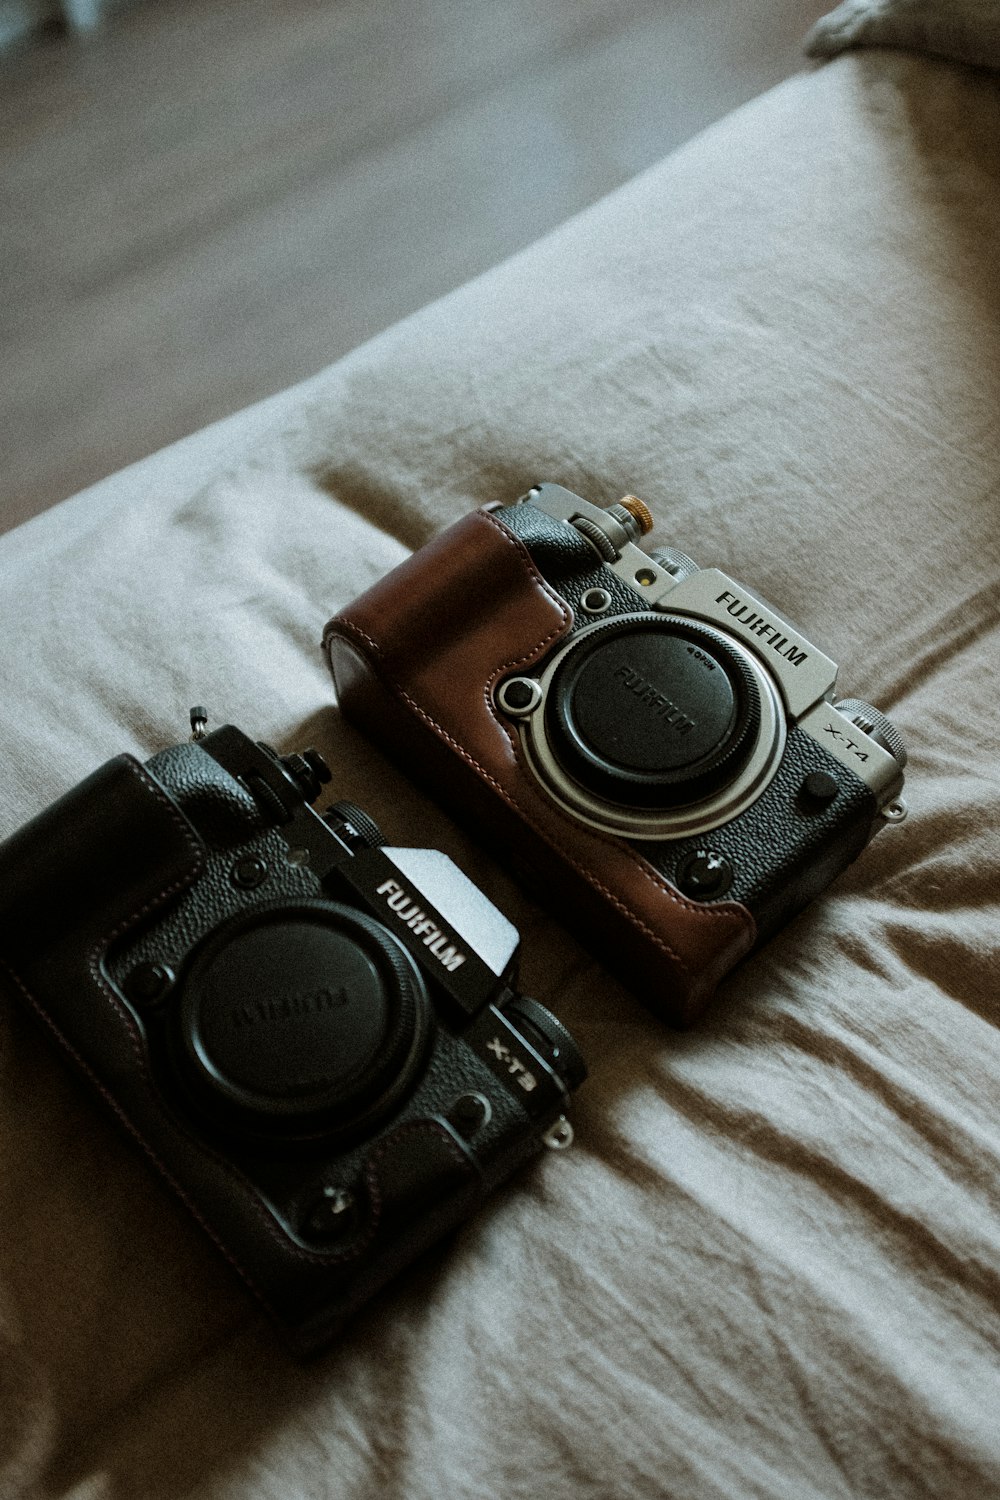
{"x":96,"y":868}
{"x":76,"y":878}
{"x":784,"y":849}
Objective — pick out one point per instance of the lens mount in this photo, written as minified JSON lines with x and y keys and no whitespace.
{"x":302,"y":1020}
{"x":653,"y":725}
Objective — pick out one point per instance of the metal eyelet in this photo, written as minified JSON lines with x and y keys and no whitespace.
{"x":559,"y":1136}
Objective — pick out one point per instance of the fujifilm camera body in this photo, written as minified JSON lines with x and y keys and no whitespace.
{"x":656,"y":750}
{"x":317,"y":1040}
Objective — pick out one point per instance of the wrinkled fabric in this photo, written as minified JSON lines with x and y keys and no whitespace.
{"x":770,"y":1266}
{"x":965,"y":31}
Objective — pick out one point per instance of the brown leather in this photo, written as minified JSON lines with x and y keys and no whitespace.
{"x":415,"y":660}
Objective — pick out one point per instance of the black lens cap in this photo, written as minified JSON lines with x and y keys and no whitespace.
{"x":653,"y":712}
{"x":301,"y":1018}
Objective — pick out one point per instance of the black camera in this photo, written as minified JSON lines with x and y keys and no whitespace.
{"x":316,"y":1039}
{"x":656,"y":749}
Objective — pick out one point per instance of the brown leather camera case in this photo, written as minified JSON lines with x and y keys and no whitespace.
{"x":415,"y":660}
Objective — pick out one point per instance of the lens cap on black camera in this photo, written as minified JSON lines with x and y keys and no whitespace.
{"x":653,"y":712}
{"x":302,"y":1019}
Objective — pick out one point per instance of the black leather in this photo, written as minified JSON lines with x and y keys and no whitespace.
{"x":132,"y":870}
{"x":565,"y":559}
{"x":784,"y":849}
{"x":79,"y":876}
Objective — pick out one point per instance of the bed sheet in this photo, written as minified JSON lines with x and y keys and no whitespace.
{"x":770,"y":1266}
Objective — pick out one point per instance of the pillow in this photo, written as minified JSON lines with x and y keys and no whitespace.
{"x":965,"y":30}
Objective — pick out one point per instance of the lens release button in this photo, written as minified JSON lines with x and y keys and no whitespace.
{"x":518,"y":696}
{"x":249,"y":872}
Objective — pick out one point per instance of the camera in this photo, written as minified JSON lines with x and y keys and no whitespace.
{"x":315,"y":1038}
{"x":656,"y":750}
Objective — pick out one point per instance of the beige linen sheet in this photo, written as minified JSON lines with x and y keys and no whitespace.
{"x":770,"y":1266}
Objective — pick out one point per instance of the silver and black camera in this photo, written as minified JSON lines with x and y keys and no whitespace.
{"x":316,"y":1039}
{"x":653,"y":746}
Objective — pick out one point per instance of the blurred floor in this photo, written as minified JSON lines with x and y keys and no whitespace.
{"x":210,"y":199}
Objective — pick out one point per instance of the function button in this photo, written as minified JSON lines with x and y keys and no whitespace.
{"x":148,"y":983}
{"x":704,"y":875}
{"x":249,"y":872}
{"x":819,"y":789}
{"x":518,"y":696}
{"x":469,"y":1113}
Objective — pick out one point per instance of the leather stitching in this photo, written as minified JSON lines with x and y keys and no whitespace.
{"x":651,"y":876}
{"x":117,"y":1110}
{"x":93,"y":962}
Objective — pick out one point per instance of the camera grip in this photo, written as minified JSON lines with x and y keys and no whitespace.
{"x":81,"y":873}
